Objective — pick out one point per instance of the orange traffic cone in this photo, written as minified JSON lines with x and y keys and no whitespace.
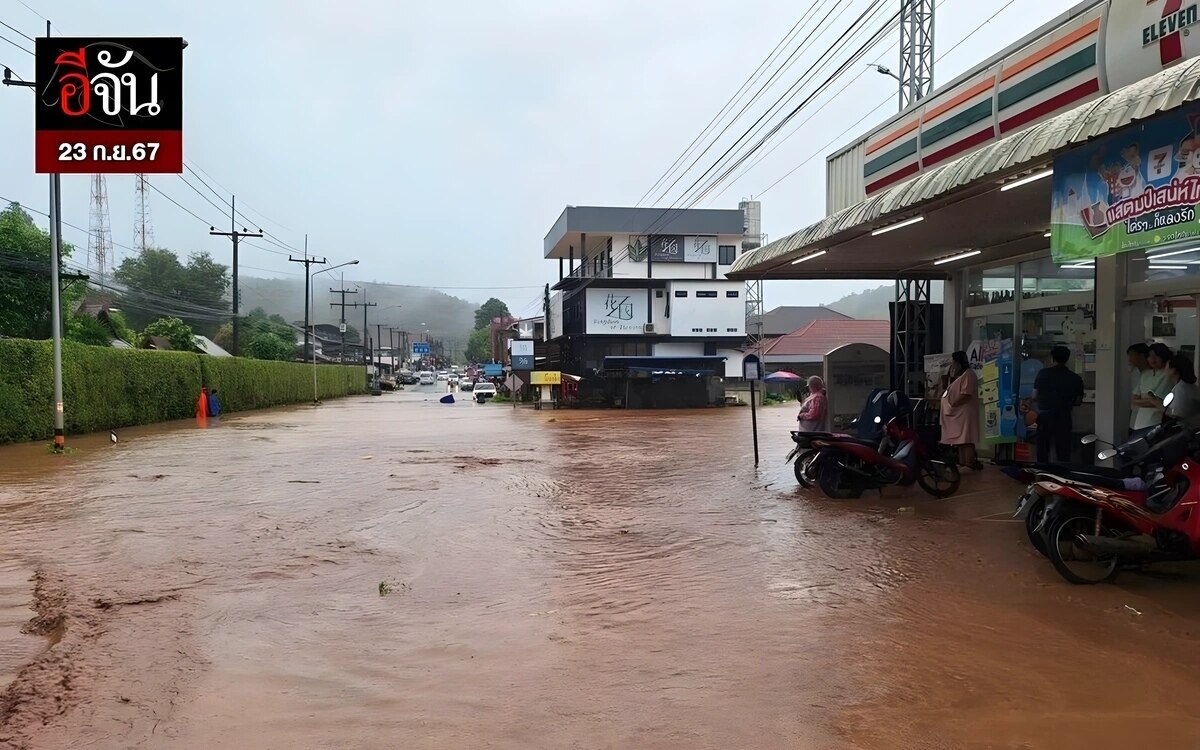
{"x":202,"y":404}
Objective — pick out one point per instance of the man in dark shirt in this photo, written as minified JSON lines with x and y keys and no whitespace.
{"x":1057,"y":390}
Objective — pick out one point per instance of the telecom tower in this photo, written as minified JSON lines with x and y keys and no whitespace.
{"x":143,"y":230}
{"x":910,"y":314}
{"x":99,"y":231}
{"x":752,"y":238}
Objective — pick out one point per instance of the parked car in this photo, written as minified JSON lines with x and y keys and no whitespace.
{"x":427,"y":378}
{"x":443,"y":375}
{"x":467,"y":384}
{"x":408,"y":378}
{"x":483,"y":391}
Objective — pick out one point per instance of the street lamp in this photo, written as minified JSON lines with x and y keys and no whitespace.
{"x":313,"y":318}
{"x":885,"y":71}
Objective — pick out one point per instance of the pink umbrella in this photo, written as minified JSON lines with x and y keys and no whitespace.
{"x":780,"y":376}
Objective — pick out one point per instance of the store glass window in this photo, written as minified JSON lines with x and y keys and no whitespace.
{"x":1161,"y":264}
{"x":985,"y":327}
{"x":1168,"y":320}
{"x":990,"y":286}
{"x":1045,"y":278}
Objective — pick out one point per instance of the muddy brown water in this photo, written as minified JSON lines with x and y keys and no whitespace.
{"x":393,"y":572}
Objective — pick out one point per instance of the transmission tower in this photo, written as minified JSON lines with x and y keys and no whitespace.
{"x":143,"y":229}
{"x":916,"y":51}
{"x":99,"y":231}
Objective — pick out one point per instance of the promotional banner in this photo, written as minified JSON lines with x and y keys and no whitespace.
{"x":699,"y":249}
{"x":673,"y":248}
{"x":1135,"y":190}
{"x":666,"y":248}
{"x":109,"y":105}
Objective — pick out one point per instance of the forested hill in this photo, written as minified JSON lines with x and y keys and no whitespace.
{"x":445,"y":315}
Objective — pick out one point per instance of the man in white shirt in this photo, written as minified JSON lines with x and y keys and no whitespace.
{"x":1151,"y":387}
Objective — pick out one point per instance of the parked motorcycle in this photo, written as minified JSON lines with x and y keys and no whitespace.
{"x":867,"y":427}
{"x":844,"y":468}
{"x":1094,"y":529}
{"x":1031,"y":505}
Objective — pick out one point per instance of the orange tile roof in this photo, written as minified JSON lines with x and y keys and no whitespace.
{"x":824,"y":335}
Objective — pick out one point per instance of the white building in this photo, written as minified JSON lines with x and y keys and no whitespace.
{"x":645,"y":282}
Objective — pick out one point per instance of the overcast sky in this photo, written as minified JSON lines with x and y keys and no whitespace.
{"x":438,"y":142}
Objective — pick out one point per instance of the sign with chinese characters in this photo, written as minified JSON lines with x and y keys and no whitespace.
{"x":699,"y":249}
{"x":1138,"y":189}
{"x":109,"y":105}
{"x":666,"y":248}
{"x":546,"y":377}
{"x":521,"y":354}
{"x":615,"y":310}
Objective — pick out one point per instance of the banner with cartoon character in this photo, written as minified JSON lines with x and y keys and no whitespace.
{"x":1134,"y":190}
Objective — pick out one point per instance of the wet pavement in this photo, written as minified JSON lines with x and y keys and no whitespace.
{"x":393,"y":572}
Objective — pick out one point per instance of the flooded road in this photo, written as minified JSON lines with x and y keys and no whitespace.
{"x":392,"y":572}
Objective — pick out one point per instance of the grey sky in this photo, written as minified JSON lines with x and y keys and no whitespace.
{"x":437,"y":142}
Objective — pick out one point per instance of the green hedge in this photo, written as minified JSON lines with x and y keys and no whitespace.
{"x":103,"y":388}
{"x":258,"y":383}
{"x":106,"y":388}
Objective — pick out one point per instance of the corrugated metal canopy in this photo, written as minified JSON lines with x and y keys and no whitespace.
{"x":1012,"y":227}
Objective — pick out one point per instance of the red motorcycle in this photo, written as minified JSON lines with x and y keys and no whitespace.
{"x":1093,"y":529}
{"x":847,"y":467}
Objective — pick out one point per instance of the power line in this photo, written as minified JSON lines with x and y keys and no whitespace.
{"x":182,"y":207}
{"x":18,"y":31}
{"x":23,"y":49}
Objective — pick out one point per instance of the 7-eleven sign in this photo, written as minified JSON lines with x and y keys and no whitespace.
{"x":1168,"y":31}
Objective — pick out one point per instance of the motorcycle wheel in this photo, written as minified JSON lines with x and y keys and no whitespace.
{"x":1070,"y":558}
{"x":804,"y":466}
{"x":836,"y":482}
{"x":938,"y":478}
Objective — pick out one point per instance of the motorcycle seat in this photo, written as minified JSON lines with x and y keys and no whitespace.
{"x":1089,"y":476}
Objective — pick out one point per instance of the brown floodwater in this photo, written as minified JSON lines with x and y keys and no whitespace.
{"x":397,"y":573}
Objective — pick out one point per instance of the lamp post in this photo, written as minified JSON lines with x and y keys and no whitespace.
{"x":312,"y":282}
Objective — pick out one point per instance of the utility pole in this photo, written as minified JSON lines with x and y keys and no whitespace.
{"x":56,"y":323}
{"x":308,"y":263}
{"x":342,"y":319}
{"x":235,"y":235}
{"x":364,"y":305}
{"x":916,"y":51}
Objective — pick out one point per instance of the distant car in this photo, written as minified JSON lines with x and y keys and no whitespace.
{"x":452,"y":379}
{"x":408,"y":378}
{"x":467,"y":384}
{"x":427,"y":378}
{"x":483,"y":391}
{"x":443,"y":375}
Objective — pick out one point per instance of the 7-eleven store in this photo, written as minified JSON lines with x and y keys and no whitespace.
{"x":1085,"y":126}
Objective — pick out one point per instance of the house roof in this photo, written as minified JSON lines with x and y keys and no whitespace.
{"x":784,"y":320}
{"x":820,"y":337}
{"x":210,"y":347}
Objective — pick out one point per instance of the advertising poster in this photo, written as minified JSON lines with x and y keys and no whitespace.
{"x":1135,"y":190}
{"x":615,"y":310}
{"x":993,"y":361}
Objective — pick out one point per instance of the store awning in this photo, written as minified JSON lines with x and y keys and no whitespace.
{"x":960,"y":203}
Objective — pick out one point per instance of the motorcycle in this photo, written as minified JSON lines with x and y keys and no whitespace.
{"x":847,"y":467}
{"x":1095,"y":529}
{"x":869,"y":431}
{"x":1031,"y":505}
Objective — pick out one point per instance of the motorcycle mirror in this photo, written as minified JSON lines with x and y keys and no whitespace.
{"x":1168,"y":399}
{"x":1088,"y":439}
{"x":1107,"y":454}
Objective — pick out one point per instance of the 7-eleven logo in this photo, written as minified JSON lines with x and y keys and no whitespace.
{"x":1168,"y":32}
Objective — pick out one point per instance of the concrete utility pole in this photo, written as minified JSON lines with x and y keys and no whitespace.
{"x":308,"y":263}
{"x":342,"y":319}
{"x":364,"y":305}
{"x":56,"y":322}
{"x":235,"y":235}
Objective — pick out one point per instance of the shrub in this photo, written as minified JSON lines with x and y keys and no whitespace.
{"x":255,"y":383}
{"x":103,"y":388}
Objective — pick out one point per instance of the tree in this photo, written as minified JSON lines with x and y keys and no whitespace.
{"x":174,"y":330}
{"x":157,"y":281}
{"x":270,"y":346}
{"x":479,"y":346}
{"x":493,"y":308}
{"x":25,"y":276}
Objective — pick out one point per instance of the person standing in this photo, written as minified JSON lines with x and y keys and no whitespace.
{"x":1185,"y":396}
{"x":1136,"y":354}
{"x":1152,"y":386}
{"x":813,"y":409}
{"x":1057,"y":391}
{"x":960,"y":411}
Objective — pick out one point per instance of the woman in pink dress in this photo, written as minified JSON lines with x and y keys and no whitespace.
{"x":812,"y":410}
{"x":960,"y":411}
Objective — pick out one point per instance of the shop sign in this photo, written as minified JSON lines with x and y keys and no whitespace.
{"x":546,"y":377}
{"x":666,"y":248}
{"x":109,"y":105}
{"x":699,"y":249}
{"x":615,"y":310}
{"x":1135,"y":190}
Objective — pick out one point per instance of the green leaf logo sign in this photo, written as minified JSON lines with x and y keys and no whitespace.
{"x":636,"y":250}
